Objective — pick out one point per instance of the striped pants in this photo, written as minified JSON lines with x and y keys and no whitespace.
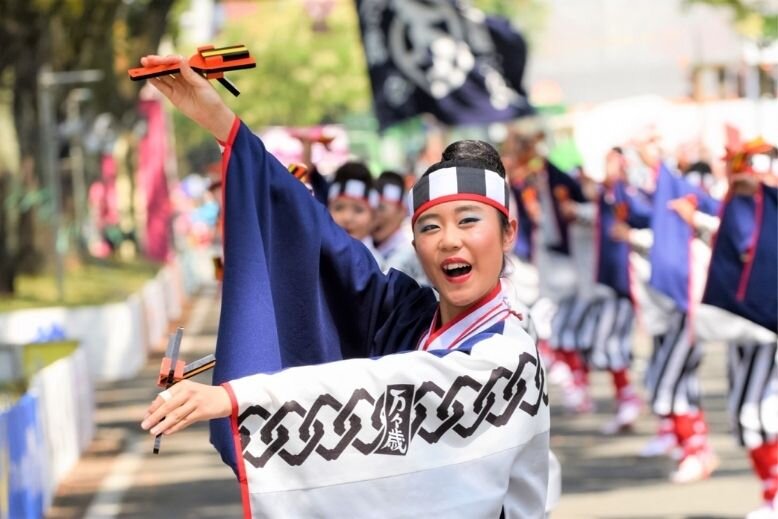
{"x":753,"y":398}
{"x":569,"y":320}
{"x":671,"y":376}
{"x":611,"y":325}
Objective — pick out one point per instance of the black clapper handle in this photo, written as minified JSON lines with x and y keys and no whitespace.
{"x":173,"y":345}
{"x":229,"y":85}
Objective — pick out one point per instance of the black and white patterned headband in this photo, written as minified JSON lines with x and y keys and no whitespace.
{"x":392,"y":193}
{"x":458,"y":183}
{"x":355,"y":189}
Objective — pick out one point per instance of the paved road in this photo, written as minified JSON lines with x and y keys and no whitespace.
{"x":120,"y":477}
{"x":602,"y":477}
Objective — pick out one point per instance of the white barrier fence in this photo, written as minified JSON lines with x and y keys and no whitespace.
{"x":116,"y":337}
{"x":43,"y":435}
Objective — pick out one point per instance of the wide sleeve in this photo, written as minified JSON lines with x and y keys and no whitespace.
{"x":293,"y":278}
{"x":461,"y":430}
{"x":639,"y":206}
{"x":297,"y":289}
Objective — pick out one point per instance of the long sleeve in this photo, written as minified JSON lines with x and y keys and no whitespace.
{"x":454,"y":433}
{"x":671,"y":258}
{"x":744,"y":262}
{"x":297,"y":290}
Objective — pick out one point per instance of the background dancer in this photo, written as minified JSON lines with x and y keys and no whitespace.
{"x":741,"y":285}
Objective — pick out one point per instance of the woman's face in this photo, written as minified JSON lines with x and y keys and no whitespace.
{"x":388,"y":218}
{"x":354,"y":215}
{"x":614,"y":167}
{"x":460,"y":245}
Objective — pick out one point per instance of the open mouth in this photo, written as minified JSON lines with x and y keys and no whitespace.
{"x":455,"y":270}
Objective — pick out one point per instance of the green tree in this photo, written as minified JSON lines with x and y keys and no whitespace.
{"x":303,"y":76}
{"x":754,"y":19}
{"x":109,"y":35}
{"x":529,"y":15}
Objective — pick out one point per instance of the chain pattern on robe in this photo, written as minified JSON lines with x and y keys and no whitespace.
{"x":402,"y":414}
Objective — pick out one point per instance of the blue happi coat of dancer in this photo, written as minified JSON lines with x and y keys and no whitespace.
{"x":562,"y":187}
{"x":744,"y":263}
{"x":670,"y":256}
{"x":613,"y":255}
{"x":287,"y":283}
{"x":523,"y":245}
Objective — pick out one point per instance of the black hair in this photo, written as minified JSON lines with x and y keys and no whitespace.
{"x":479,"y":151}
{"x":390,"y":178}
{"x":701,"y":167}
{"x":353,"y":171}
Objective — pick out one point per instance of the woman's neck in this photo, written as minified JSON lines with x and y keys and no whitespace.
{"x":449,"y":312}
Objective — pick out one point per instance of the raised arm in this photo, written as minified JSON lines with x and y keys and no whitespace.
{"x":192,"y":95}
{"x":297,"y":290}
{"x":277,"y":235}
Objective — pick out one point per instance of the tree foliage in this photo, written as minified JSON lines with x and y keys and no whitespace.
{"x":303,"y":77}
{"x":753,"y":19}
{"x":306,"y":77}
{"x":528,"y":15}
{"x":109,"y":35}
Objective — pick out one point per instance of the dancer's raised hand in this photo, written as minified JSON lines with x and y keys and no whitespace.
{"x":193,"y":95}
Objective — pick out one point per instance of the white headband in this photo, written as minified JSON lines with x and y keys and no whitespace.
{"x":356,"y":189}
{"x":458,"y":183}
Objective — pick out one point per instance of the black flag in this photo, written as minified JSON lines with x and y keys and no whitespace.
{"x":442,"y":58}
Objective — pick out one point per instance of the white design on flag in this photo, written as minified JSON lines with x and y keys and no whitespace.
{"x":452,"y":61}
{"x":397,"y":90}
{"x":435,"y":45}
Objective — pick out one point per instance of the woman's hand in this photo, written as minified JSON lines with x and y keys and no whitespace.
{"x":193,"y":95}
{"x":619,"y":231}
{"x":569,"y":210}
{"x":189,"y":402}
{"x":685,"y":209}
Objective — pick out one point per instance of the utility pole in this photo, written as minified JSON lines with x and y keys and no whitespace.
{"x":75,"y":135}
{"x":47,"y":82}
